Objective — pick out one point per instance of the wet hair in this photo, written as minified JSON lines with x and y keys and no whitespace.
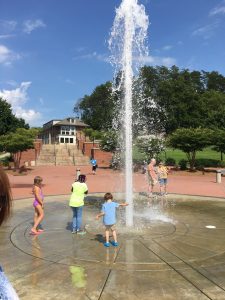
{"x":5,"y":197}
{"x":81,"y":178}
{"x":108,"y":196}
{"x":37,"y":180}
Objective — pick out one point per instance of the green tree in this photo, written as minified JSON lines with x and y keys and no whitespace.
{"x":150,"y":147}
{"x":8,"y":121}
{"x":93,"y":134}
{"x":218,"y":141}
{"x":17,"y":142}
{"x":190,"y":140}
{"x":182,"y":98}
{"x":109,"y":141}
{"x":164,"y":99}
{"x":97,"y":109}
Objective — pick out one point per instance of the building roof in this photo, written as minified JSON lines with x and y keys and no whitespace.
{"x":75,"y":122}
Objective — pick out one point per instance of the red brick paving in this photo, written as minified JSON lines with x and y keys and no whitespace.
{"x":58,"y":180}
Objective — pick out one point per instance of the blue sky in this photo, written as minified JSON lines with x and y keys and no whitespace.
{"x":54,"y":52}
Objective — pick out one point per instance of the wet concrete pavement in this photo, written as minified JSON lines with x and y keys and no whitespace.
{"x":174,"y":257}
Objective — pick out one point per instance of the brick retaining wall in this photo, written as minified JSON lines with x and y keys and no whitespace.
{"x":92,"y":150}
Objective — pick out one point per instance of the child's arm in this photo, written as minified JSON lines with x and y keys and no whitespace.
{"x":123,"y":204}
{"x":37,"y":196}
{"x":100,"y":215}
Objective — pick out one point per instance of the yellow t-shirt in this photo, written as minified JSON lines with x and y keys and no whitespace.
{"x":77,"y":196}
{"x":162,"y":172}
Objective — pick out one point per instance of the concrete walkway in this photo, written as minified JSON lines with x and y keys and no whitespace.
{"x":58,"y":180}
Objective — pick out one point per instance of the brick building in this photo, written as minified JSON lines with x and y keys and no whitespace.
{"x":62,"y":131}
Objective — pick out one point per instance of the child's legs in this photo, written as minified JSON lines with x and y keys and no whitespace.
{"x":74,"y":219}
{"x":79,"y":217}
{"x":165,"y":185}
{"x":114,"y":235}
{"x":107,"y":235}
{"x":35,"y":215}
{"x":40,"y":215}
{"x":161,"y":188}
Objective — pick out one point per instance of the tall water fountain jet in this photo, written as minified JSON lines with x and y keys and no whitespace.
{"x":128,"y":46}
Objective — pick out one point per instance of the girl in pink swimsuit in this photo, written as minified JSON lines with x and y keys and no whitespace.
{"x":38,"y":205}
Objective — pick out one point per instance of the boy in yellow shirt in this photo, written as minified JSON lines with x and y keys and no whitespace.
{"x":163,"y":178}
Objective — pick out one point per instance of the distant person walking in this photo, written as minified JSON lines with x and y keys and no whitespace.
{"x":38,"y":205}
{"x":79,"y":190}
{"x":152,"y":176}
{"x":109,"y":218}
{"x":6,"y":290}
{"x":163,"y":178}
{"x":94,"y":165}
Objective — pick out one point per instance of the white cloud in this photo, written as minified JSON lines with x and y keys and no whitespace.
{"x":7,"y":56}
{"x":167,"y":47}
{"x":218,"y":10}
{"x":17,"y":98}
{"x":8,"y":25}
{"x":41,"y":100}
{"x":93,"y":55}
{"x":158,"y":60}
{"x":6,"y":36}
{"x":206,"y":31}
{"x":30,"y":25}
{"x":70,"y":81}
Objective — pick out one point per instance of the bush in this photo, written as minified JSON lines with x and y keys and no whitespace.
{"x":5,"y":161}
{"x":170,"y":162}
{"x":116,"y":163}
{"x":183,"y":164}
{"x":209,"y":163}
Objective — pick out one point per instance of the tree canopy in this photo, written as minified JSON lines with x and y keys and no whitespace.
{"x":8,"y":121}
{"x":191,"y":140}
{"x":17,"y":142}
{"x":164,"y":100}
{"x":97,"y":109}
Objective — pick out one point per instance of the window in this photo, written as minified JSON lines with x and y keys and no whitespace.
{"x":71,"y":141}
{"x":66,"y":140}
{"x":62,"y":140}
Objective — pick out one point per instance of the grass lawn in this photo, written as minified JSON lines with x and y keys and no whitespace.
{"x":207,"y":153}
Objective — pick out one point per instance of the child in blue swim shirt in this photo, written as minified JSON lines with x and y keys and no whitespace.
{"x":108,"y":213}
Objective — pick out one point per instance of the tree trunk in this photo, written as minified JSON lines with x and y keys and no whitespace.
{"x":192,"y":162}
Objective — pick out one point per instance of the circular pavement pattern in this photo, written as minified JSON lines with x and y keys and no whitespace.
{"x":176,"y":245}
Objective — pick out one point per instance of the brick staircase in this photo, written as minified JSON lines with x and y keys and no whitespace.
{"x":61,"y":155}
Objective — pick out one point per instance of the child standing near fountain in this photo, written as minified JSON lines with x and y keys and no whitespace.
{"x":163,"y":175}
{"x":152,"y":176}
{"x":79,"y":190}
{"x":38,"y":205}
{"x":109,"y":218}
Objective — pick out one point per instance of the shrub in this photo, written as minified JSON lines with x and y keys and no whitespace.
{"x":170,"y":161}
{"x":116,"y":163}
{"x":208,"y":163}
{"x":183,"y":164}
{"x":5,"y":161}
